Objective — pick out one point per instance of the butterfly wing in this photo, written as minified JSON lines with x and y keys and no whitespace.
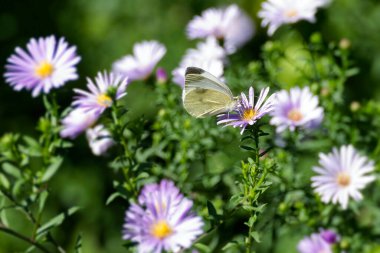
{"x":204,"y":95}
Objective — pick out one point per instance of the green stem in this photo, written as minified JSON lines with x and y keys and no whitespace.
{"x":22,"y":237}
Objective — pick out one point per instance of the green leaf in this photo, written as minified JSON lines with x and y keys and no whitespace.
{"x":12,"y":170}
{"x":211,"y":210}
{"x":52,"y":169}
{"x":78,"y":244}
{"x":113,"y":196}
{"x":55,"y":221}
{"x":230,"y":246}
{"x":256,"y":236}
{"x":202,"y":248}
{"x":4,"y":181}
{"x":42,"y":201}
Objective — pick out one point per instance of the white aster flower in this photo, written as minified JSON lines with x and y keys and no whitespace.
{"x":230,"y":24}
{"x":140,"y":65}
{"x":77,"y":121}
{"x":296,"y":108}
{"x":275,"y":13}
{"x":341,"y":175}
{"x":208,"y":55}
{"x":99,"y":139}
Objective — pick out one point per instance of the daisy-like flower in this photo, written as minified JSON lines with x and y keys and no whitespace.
{"x":296,"y":108}
{"x":77,"y":121}
{"x":208,"y":55}
{"x":140,"y":65}
{"x":314,"y":244}
{"x":231,"y":24}
{"x":276,"y":13}
{"x":161,"y":221}
{"x":341,"y":175}
{"x":329,"y":236}
{"x":46,"y":64}
{"x":99,"y":139}
{"x":248,"y":112}
{"x":107,"y":88}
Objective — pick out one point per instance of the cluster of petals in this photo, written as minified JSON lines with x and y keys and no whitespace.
{"x":162,"y":220}
{"x":231,"y":25}
{"x":318,"y":242}
{"x":208,"y":55}
{"x":341,"y":174}
{"x":275,"y":13}
{"x":140,"y":65}
{"x":46,"y":63}
{"x":247,"y":112}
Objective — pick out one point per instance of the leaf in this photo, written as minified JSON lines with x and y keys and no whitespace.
{"x":202,"y":248}
{"x":34,"y":147}
{"x":55,"y":221}
{"x":113,"y":196}
{"x":52,"y":169}
{"x":42,"y":201}
{"x":4,"y":181}
{"x":256,"y":236}
{"x":12,"y":170}
{"x":211,"y":210}
{"x":231,"y":245}
{"x":78,"y":244}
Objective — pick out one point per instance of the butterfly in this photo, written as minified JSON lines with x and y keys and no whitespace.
{"x":204,"y":95}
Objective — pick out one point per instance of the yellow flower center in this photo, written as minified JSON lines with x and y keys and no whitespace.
{"x":291,"y":13}
{"x":294,"y":115}
{"x":343,"y":179}
{"x":161,"y":229}
{"x":104,"y":100}
{"x":44,"y":69}
{"x":249,"y":114}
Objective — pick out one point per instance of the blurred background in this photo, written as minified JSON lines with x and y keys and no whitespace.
{"x":105,"y":30}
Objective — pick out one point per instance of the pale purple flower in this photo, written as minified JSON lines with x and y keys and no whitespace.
{"x":341,"y":175}
{"x":276,"y":13}
{"x":140,"y":65}
{"x":162,"y":220}
{"x":99,"y":139}
{"x":102,"y":93}
{"x":208,"y":56}
{"x":231,"y":24}
{"x":77,"y":121}
{"x":161,"y":76}
{"x":46,"y":64}
{"x":329,"y":236}
{"x":296,"y":108}
{"x":248,"y":112}
{"x":314,"y":244}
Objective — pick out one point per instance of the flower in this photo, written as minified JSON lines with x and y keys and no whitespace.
{"x":341,"y":174}
{"x":247,"y":112}
{"x":46,"y":64}
{"x":99,"y":139}
{"x":140,"y":65}
{"x":106,"y":89}
{"x":208,"y":55}
{"x":314,"y":244}
{"x":296,"y":108}
{"x":161,"y":221}
{"x":231,"y":25}
{"x":275,"y":13}
{"x":77,"y":121}
{"x":161,"y":76}
{"x":329,"y":236}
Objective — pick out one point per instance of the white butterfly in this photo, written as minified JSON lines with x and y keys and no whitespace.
{"x":204,"y":95}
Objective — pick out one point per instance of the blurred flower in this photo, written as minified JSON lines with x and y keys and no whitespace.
{"x":140,"y":65}
{"x":329,"y":236}
{"x":314,"y":244}
{"x":247,"y":113}
{"x":161,"y":221}
{"x":46,"y":64}
{"x":161,"y":76}
{"x":208,"y":55}
{"x":322,"y":3}
{"x":107,"y":88}
{"x":77,"y":121}
{"x":275,"y":13}
{"x":341,"y":175}
{"x":99,"y":139}
{"x":296,"y":108}
{"x":230,"y":24}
